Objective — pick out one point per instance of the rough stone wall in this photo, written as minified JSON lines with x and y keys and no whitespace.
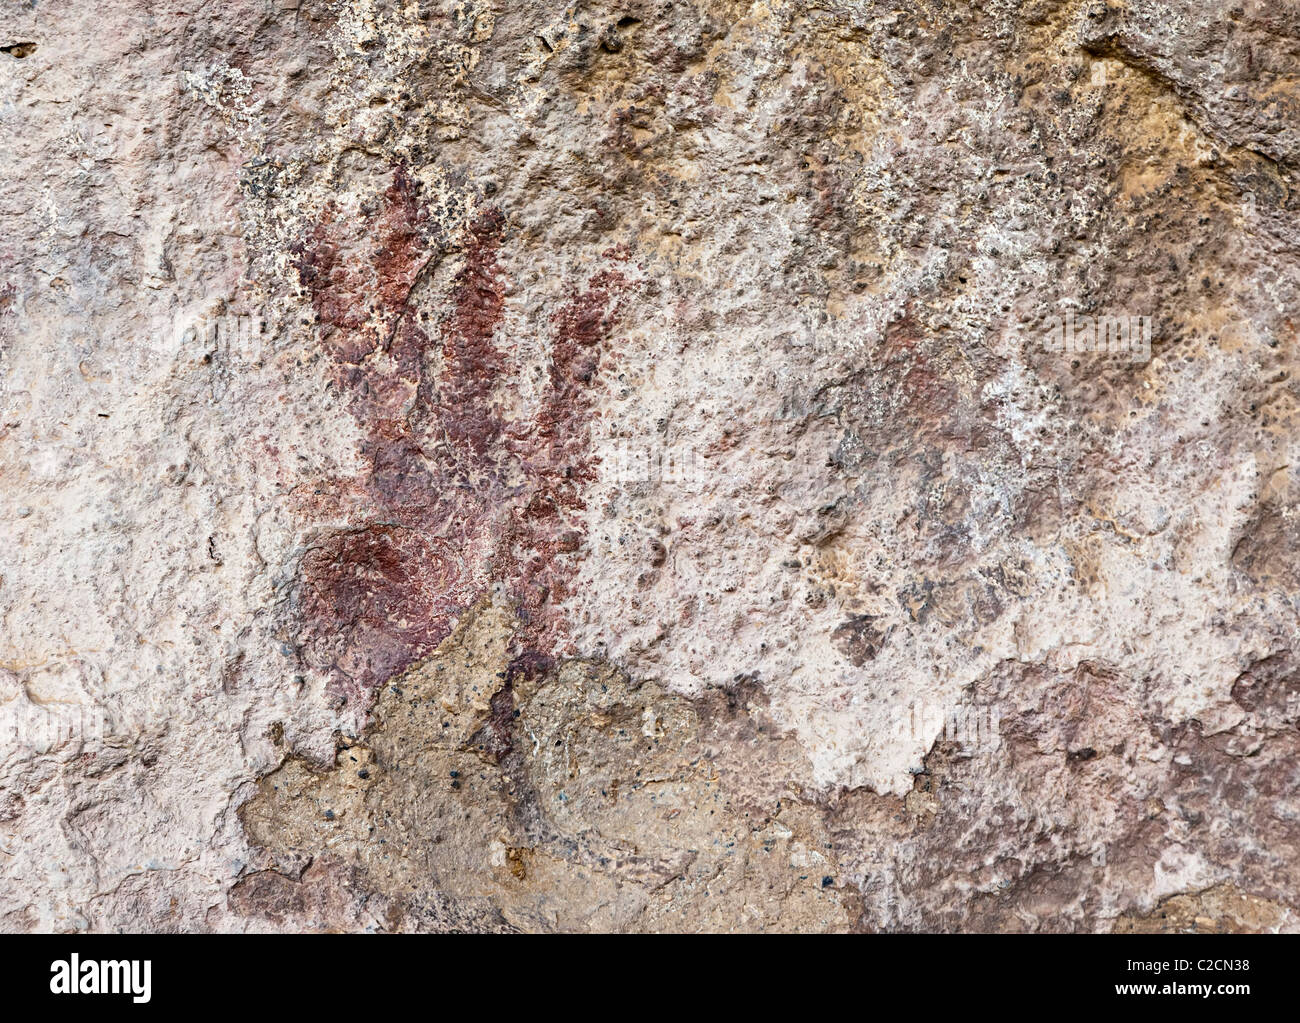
{"x":630,"y":465}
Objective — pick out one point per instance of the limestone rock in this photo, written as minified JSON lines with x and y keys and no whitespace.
{"x":650,"y":466}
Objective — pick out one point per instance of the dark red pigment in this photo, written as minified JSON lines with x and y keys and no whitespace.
{"x":456,"y":498}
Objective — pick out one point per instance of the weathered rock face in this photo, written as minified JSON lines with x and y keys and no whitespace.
{"x":650,"y":465}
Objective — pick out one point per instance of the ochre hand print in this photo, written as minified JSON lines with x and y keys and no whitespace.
{"x":456,"y":498}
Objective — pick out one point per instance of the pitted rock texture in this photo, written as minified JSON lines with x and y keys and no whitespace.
{"x":485,"y":466}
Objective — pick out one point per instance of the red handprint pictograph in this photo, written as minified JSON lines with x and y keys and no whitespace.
{"x":456,"y":499}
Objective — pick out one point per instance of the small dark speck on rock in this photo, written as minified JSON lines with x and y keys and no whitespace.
{"x":827,"y":881}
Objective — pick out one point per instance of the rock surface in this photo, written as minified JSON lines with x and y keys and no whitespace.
{"x":639,"y":466}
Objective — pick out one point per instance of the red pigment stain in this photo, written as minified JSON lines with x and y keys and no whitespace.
{"x":540,"y":551}
{"x":929,"y":397}
{"x":455,"y":499}
{"x":472,"y":365}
